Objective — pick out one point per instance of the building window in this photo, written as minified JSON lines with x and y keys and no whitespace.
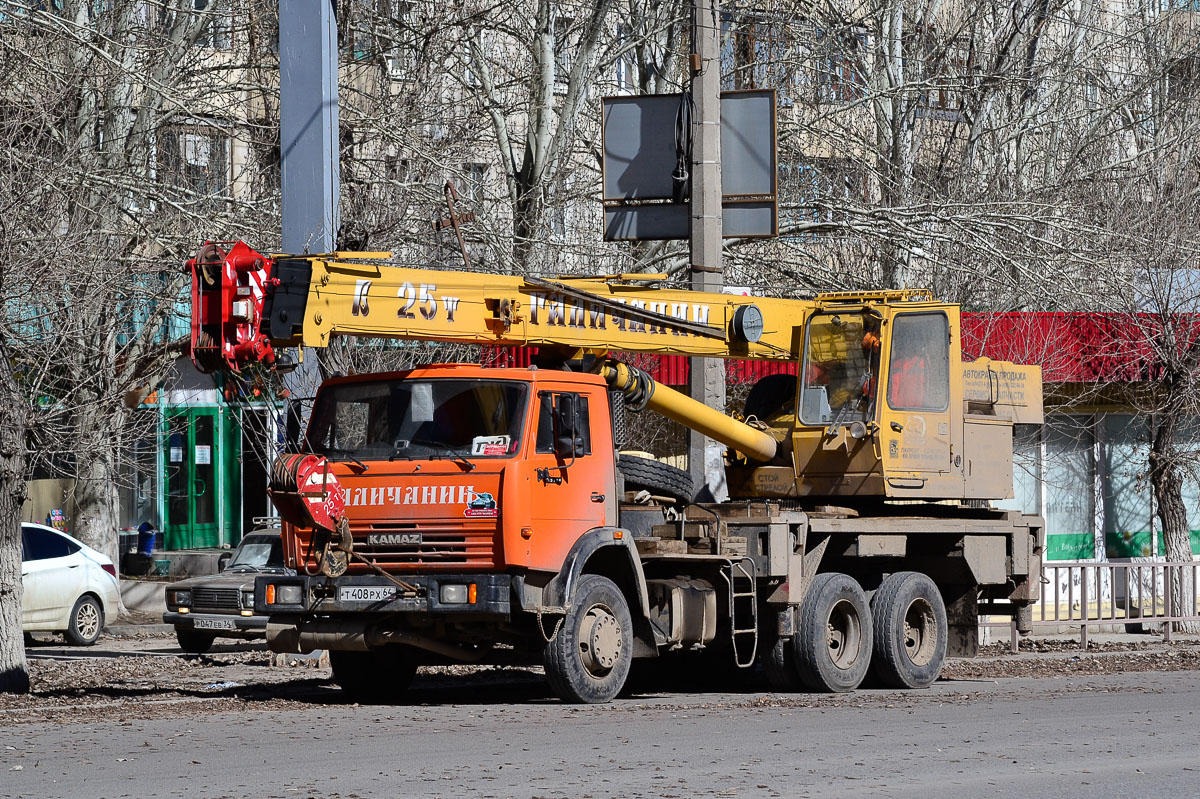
{"x":196,"y":160}
{"x":564,"y":51}
{"x":838,"y":77}
{"x":475,"y":181}
{"x":398,"y":39}
{"x":397,"y":170}
{"x":819,"y":191}
{"x":625,"y":68}
{"x":217,"y":30}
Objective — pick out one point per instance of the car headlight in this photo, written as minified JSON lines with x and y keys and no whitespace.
{"x":180,"y":597}
{"x":248,"y":600}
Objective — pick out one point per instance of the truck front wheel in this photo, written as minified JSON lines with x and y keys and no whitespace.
{"x":380,"y":676}
{"x":589,"y":657}
{"x":832,"y":648}
{"x":910,"y":631}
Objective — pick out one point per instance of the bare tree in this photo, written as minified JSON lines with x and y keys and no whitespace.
{"x":117,"y":154}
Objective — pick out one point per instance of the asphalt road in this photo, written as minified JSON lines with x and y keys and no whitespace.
{"x":1093,"y":736}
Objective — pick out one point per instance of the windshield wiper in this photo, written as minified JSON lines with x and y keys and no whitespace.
{"x":449,"y":454}
{"x":345,"y":457}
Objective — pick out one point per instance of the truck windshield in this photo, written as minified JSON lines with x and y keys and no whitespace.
{"x":841,"y":362}
{"x":407,"y":419}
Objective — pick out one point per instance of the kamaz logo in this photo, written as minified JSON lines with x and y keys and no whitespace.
{"x":394,"y":539}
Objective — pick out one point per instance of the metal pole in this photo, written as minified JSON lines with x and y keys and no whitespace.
{"x":1083,"y":606}
{"x":308,"y":122}
{"x":706,"y":379}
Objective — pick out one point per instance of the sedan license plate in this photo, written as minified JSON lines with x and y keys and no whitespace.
{"x":366,"y":593}
{"x":213,"y":624}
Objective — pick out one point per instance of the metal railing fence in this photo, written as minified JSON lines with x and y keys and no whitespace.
{"x":1092,"y":594}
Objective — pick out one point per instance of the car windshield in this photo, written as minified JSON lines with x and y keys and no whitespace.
{"x":258,"y":552}
{"x":406,"y":419}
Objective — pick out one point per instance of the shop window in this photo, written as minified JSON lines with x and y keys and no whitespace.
{"x":1069,"y":489}
{"x":1187,"y":439}
{"x":1027,"y":470}
{"x":1128,"y":510}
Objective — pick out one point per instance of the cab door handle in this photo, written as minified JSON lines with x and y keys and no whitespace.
{"x":597,"y":496}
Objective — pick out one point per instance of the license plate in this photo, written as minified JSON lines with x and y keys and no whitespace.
{"x":366,"y":593}
{"x":213,"y":624}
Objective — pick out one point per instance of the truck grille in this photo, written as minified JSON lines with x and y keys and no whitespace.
{"x":457,"y":547}
{"x":215,"y":598}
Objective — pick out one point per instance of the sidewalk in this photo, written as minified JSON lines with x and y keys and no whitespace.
{"x":144,"y":603}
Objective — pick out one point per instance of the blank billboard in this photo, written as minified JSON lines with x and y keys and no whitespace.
{"x":639,"y":156}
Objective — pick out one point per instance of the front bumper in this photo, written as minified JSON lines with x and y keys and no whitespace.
{"x":220,"y":623}
{"x":339,"y":595}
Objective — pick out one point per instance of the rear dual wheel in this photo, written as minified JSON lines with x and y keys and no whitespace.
{"x":831,"y":649}
{"x":910,"y":631}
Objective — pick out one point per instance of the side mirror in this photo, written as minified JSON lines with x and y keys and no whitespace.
{"x":223,"y":561}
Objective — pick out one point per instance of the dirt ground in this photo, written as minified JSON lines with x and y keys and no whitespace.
{"x":144,"y":675}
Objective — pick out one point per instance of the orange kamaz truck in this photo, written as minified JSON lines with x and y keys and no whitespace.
{"x":453,"y":513}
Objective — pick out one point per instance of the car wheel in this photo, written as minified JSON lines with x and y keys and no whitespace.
{"x":194,"y":641}
{"x":87,"y":620}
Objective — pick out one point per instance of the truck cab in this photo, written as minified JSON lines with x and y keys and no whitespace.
{"x":459,"y":467}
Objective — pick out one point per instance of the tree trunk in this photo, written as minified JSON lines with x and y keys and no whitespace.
{"x":14,"y":669}
{"x":97,"y":498}
{"x":1166,"y":480}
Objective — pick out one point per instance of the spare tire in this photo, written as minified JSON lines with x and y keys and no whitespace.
{"x":771,"y":396}
{"x":656,"y":477}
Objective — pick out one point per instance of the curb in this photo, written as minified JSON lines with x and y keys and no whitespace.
{"x":132,"y":630}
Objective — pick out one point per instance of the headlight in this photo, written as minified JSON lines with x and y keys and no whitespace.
{"x":289,"y":595}
{"x":248,"y":600}
{"x":453,"y":595}
{"x":179,"y":597}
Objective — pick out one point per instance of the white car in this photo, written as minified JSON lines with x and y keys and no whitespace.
{"x":68,"y":586}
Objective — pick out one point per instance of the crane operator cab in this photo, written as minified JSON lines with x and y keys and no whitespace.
{"x":885,"y":407}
